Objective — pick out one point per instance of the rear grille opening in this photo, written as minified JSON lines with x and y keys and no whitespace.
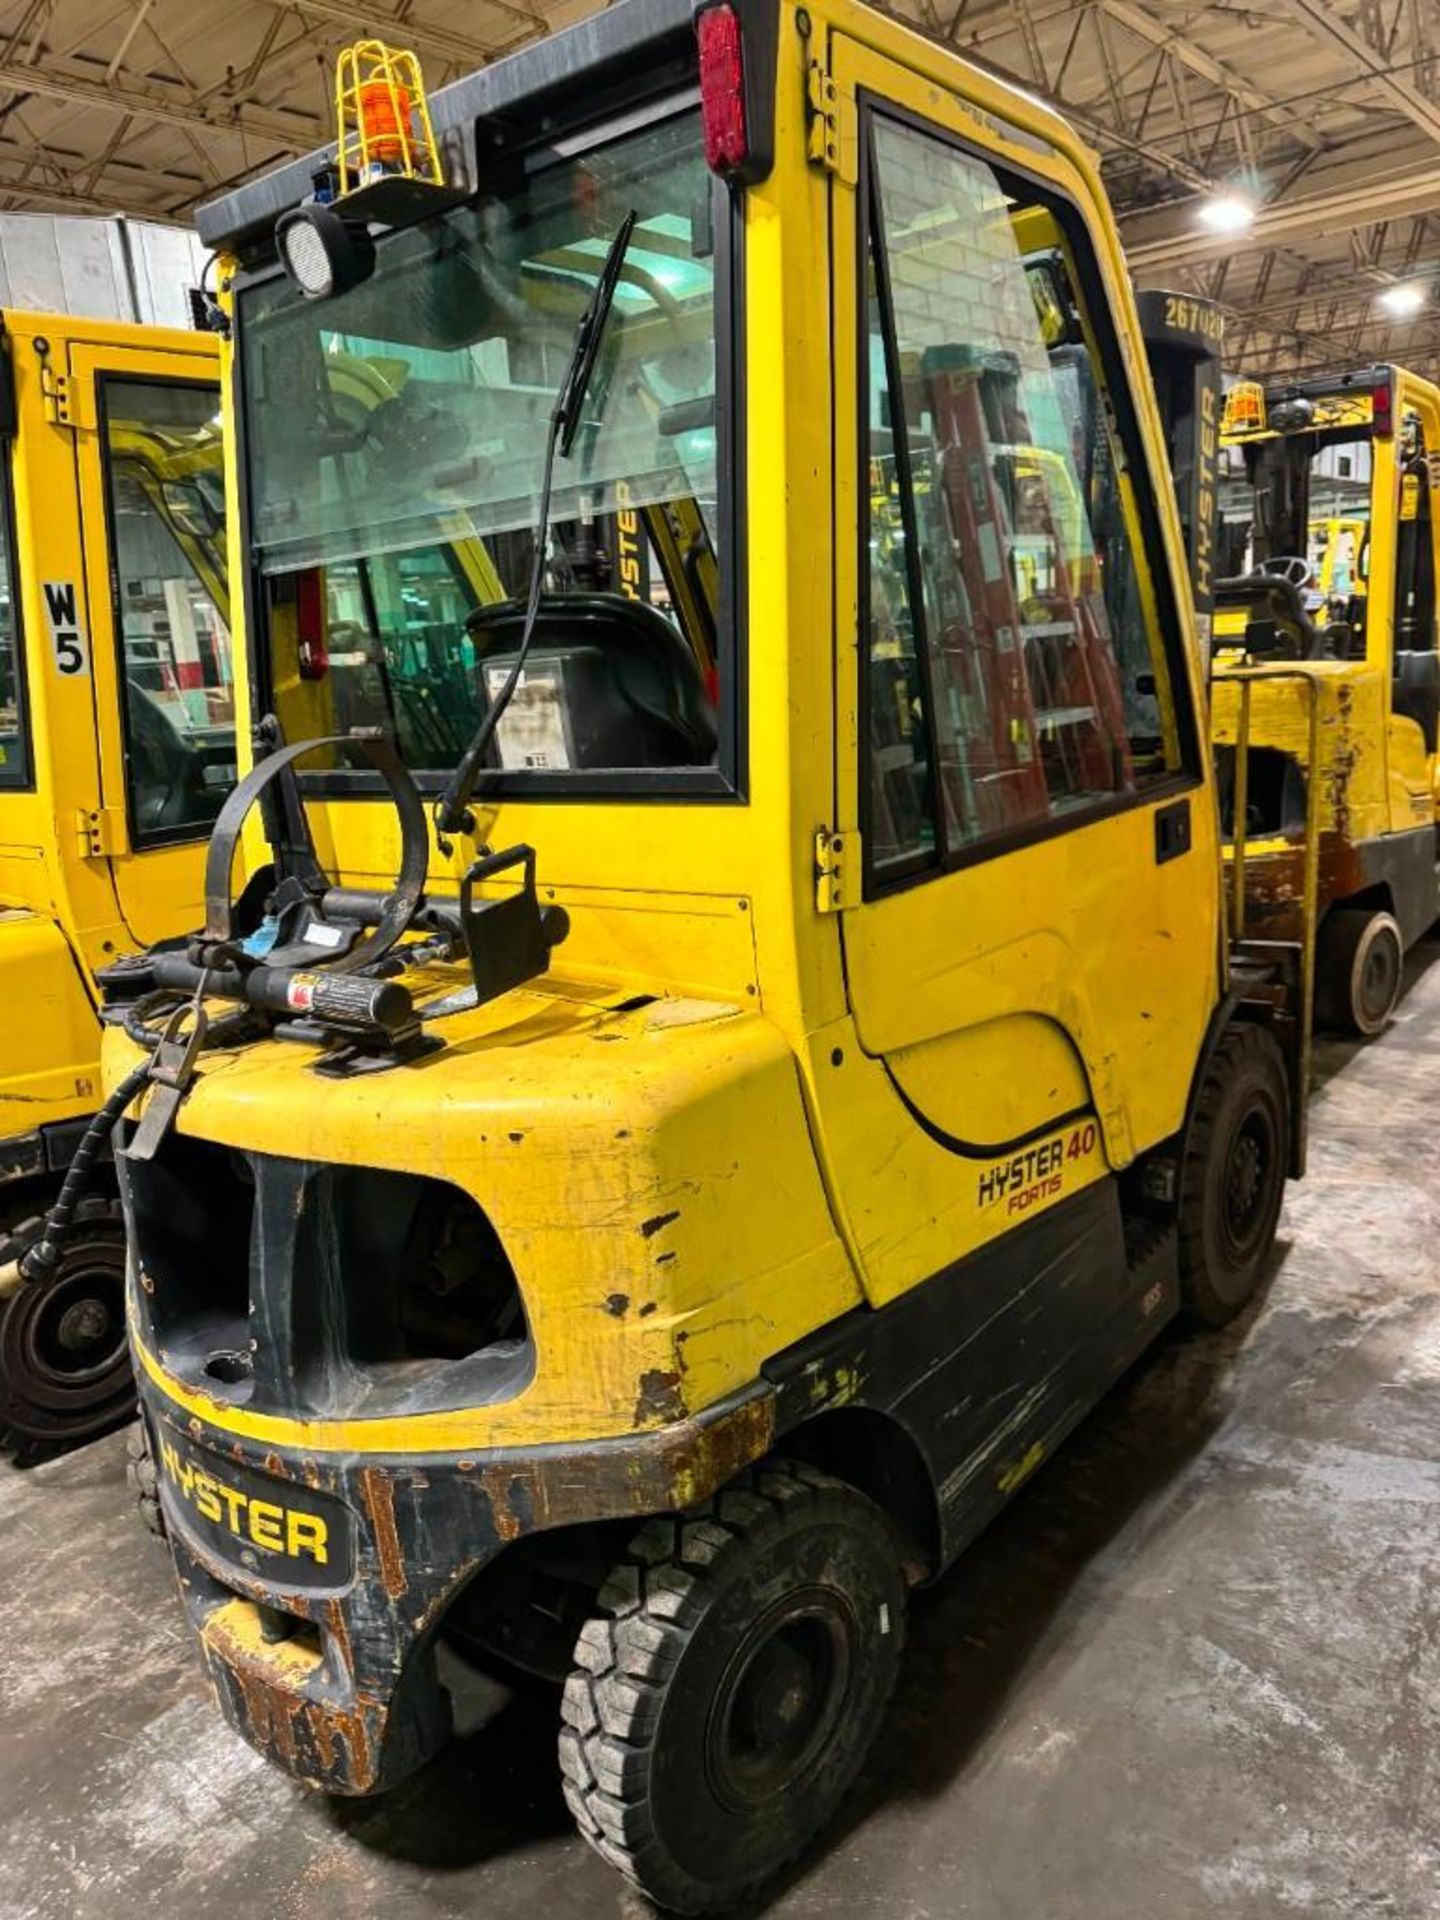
{"x":191,"y":1210}
{"x":401,"y":1287}
{"x":309,"y":1289}
{"x":1275,"y":792}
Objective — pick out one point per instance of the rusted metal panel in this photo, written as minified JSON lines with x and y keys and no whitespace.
{"x":355,"y":1704}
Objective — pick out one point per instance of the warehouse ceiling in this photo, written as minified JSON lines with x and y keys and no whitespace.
{"x":1325,"y":117}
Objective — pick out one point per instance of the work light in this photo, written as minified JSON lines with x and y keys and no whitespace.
{"x":323,"y":254}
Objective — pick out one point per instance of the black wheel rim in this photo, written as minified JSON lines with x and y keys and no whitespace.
{"x":1379,"y":978}
{"x":1249,"y":1182}
{"x":780,"y":1699}
{"x":64,"y":1347}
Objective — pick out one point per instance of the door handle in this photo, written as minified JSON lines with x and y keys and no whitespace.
{"x":1172,"y":831}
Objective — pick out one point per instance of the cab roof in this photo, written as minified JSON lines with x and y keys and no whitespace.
{"x":578,"y":76}
{"x":575,"y":70}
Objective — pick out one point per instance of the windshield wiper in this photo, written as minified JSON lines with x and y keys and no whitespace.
{"x":452,"y":808}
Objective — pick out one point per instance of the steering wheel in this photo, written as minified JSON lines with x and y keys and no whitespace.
{"x":1289,"y":566}
{"x":1302,"y":639}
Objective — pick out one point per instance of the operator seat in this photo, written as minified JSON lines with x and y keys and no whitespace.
{"x":168,"y":774}
{"x":622,"y":686}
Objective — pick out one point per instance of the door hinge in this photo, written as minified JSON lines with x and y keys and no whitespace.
{"x":834,"y":127}
{"x":837,"y":869}
{"x":102,"y":832}
{"x":67,"y":400}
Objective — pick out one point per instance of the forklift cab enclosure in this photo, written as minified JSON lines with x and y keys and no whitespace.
{"x":1327,"y":500}
{"x":866,"y":1088}
{"x":116,"y":750}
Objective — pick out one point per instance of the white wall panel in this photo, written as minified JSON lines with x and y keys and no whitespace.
{"x":98,"y":269}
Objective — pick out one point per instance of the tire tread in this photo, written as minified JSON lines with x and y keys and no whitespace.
{"x":626,"y":1652}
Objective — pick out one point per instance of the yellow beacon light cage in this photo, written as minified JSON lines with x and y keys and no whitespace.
{"x":382,"y":118}
{"x":1244,"y":409}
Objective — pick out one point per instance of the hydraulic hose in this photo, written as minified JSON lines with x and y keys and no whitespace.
{"x":40,"y":1261}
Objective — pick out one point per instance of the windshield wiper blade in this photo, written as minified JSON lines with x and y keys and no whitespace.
{"x":576,"y":384}
{"x":452,"y":808}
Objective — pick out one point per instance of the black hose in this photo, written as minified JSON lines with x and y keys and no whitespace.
{"x":37,"y":1263}
{"x":228,"y":1030}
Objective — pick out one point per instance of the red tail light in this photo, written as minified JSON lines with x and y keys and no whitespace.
{"x":1382,"y":411}
{"x":722,"y":90}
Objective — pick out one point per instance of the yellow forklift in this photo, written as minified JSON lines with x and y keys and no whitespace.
{"x":1184,"y":347}
{"x":1327,"y":693}
{"x":630,"y":1196}
{"x":116,"y":750}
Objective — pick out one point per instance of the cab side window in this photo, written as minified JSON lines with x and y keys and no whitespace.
{"x":14,"y":723}
{"x":164,"y":477}
{"x":1016,"y":677}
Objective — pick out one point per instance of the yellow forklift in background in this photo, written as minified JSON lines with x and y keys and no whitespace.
{"x":631,"y":1194}
{"x":1327,"y":696}
{"x":117,"y":746}
{"x":1184,"y":347}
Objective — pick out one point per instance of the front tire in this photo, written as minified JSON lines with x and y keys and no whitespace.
{"x":729,"y":1684}
{"x":1358,"y":966}
{"x":1233,"y":1177}
{"x":65,"y":1374}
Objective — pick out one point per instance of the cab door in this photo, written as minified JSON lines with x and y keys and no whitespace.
{"x":1031,"y":962}
{"x":152,"y":504}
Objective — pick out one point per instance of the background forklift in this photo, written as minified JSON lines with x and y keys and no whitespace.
{"x":1327,"y":503}
{"x":1184,"y":345}
{"x":642,"y":1199}
{"x":116,"y":750}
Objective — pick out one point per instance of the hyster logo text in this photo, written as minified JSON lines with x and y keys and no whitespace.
{"x":1036,"y":1174}
{"x":265,"y":1523}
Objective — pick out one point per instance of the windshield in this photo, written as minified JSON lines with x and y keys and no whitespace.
{"x":1303,"y":497}
{"x":395,"y":443}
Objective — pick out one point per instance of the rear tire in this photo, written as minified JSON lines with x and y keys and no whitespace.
{"x":1233,"y":1179}
{"x":1357,"y":971}
{"x":729,"y":1684}
{"x":142,"y":1477}
{"x":65,"y":1374}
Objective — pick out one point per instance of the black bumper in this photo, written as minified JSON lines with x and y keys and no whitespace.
{"x":317,"y":1583}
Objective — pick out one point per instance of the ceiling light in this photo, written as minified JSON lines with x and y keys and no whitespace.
{"x":1403,"y":300}
{"x":1226,"y":213}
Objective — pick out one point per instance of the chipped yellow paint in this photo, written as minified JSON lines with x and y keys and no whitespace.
{"x":1020,"y":1470}
{"x":237,"y":1626}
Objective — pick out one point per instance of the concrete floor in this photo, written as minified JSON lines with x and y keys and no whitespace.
{"x":1194,"y":1670}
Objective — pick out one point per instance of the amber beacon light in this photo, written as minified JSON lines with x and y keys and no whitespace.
{"x":386,"y":174}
